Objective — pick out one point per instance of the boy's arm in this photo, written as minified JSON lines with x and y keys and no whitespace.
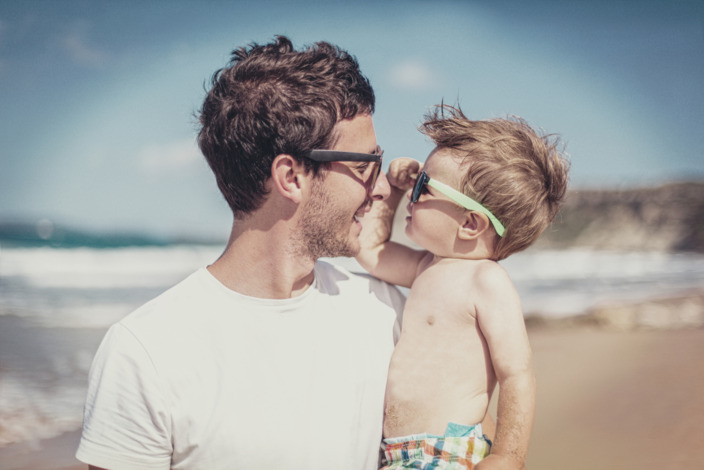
{"x":390,"y":261}
{"x":500,"y":318}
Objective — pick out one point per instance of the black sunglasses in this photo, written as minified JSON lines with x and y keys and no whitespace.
{"x":340,"y":156}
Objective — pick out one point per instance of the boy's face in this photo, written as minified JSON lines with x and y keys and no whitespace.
{"x":434,"y":219}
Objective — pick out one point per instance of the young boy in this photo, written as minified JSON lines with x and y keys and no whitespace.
{"x":487,"y":190}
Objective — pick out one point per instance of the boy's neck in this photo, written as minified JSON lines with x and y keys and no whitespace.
{"x":479,"y":248}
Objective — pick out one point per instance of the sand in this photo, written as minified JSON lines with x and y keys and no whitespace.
{"x":606,"y":399}
{"x":50,"y":454}
{"x":618,"y":400}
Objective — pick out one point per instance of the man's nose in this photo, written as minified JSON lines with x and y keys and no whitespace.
{"x":381,"y":189}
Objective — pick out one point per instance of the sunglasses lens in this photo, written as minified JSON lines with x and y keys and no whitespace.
{"x":418,"y":187}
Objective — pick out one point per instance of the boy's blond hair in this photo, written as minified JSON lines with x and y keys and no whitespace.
{"x":519,"y":175}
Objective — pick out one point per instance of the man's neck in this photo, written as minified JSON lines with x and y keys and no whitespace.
{"x":258,"y":262}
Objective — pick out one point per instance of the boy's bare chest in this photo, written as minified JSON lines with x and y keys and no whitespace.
{"x":431,"y":312}
{"x":434,"y":306}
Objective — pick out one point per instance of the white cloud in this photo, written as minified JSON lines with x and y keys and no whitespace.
{"x":172,"y":156}
{"x":80,"y":50}
{"x":411,"y":75}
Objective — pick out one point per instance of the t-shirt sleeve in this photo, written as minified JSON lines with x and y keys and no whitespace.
{"x":125,"y":422}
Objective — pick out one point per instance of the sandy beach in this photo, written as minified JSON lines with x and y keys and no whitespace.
{"x":607,"y":399}
{"x":618,"y":400}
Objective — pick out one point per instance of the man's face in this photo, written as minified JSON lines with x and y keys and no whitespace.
{"x":330,"y":224}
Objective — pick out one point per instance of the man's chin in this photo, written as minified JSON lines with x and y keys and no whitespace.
{"x":354,"y":250}
{"x":349,"y":251}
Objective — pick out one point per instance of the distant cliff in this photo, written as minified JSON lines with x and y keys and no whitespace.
{"x":663,"y":218}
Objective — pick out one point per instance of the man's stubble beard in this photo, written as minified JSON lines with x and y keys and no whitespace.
{"x":323,"y":231}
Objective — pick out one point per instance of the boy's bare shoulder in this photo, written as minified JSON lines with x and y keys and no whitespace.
{"x":482,"y":275}
{"x":487,"y":268}
{"x":493,"y":290}
{"x":469,"y":269}
{"x":489,"y":276}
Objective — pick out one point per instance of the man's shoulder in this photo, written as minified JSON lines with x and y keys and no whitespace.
{"x":177,"y":298}
{"x":162,"y":327}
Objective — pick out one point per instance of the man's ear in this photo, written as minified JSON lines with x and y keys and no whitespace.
{"x":287,"y":177}
{"x":474,"y":224}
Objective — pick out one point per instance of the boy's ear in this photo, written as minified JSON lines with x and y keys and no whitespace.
{"x":287,"y":177}
{"x":474,"y":224}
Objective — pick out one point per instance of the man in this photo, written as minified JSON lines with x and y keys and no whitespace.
{"x":267,"y":358}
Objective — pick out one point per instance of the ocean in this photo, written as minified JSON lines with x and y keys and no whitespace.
{"x":56,"y":304}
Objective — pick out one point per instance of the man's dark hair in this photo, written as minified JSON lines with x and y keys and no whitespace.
{"x":272,"y":100}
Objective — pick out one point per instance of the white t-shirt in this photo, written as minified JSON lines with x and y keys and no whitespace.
{"x":203,"y":377}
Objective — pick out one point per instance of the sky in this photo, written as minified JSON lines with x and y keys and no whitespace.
{"x":98,"y":98}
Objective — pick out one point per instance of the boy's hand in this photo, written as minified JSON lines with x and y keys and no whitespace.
{"x":403,"y":172}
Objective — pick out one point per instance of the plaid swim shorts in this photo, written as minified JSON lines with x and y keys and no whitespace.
{"x":427,"y":452}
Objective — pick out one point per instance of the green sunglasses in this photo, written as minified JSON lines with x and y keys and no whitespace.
{"x":339,"y":156}
{"x":461,"y":199}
